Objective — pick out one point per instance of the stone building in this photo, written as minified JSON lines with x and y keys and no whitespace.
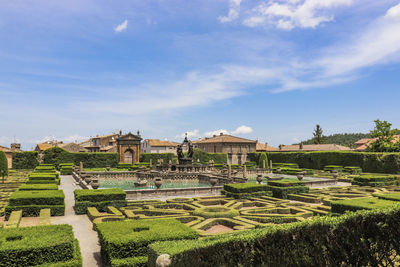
{"x":104,"y":143}
{"x":158,"y":146}
{"x":236,"y":148}
{"x":128,"y":147}
{"x":9,"y":151}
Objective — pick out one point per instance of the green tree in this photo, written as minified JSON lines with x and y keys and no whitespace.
{"x":3,"y":164}
{"x":263,"y":156}
{"x":318,"y":137}
{"x":384,"y":135}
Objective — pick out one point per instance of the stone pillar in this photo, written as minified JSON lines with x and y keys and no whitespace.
{"x":80,"y":167}
{"x":270,"y":165}
{"x":244,"y":171}
{"x":264,"y":164}
{"x":151,"y":163}
{"x":229,"y":171}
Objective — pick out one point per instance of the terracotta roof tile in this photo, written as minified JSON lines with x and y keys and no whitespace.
{"x":317,"y":147}
{"x":265,"y":147}
{"x":44,"y":146}
{"x":223,"y":139}
{"x":160,"y":143}
{"x":5,"y":149}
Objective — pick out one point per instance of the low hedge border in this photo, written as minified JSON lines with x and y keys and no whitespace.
{"x":44,"y":217}
{"x":37,"y":197}
{"x":15,"y":219}
{"x":34,"y":210}
{"x":81,"y":206}
{"x":283,"y":192}
{"x":215,"y":212}
{"x":56,"y":181}
{"x":245,"y":188}
{"x":118,"y":242}
{"x":341,"y":206}
{"x":392,"y":196}
{"x":364,"y":238}
{"x":25,"y":187}
{"x":99,"y":195}
{"x":248,"y":195}
{"x":231,"y":223}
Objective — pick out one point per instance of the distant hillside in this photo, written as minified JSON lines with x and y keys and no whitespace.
{"x":340,"y":139}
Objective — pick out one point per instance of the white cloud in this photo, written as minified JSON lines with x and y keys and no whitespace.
{"x":190,"y":134}
{"x":216,"y":132}
{"x":74,"y":138}
{"x":121,"y":27}
{"x":243,"y":130}
{"x":295,"y":13}
{"x":378,"y":43}
{"x":233,"y":14}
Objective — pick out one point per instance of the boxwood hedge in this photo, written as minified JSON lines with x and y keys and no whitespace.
{"x":340,"y":206}
{"x":245,"y":187}
{"x":99,"y":198}
{"x":25,"y":160}
{"x":126,"y":241}
{"x":38,"y":187}
{"x":53,"y":245}
{"x":363,"y":238}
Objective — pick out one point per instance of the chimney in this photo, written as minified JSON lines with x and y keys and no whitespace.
{"x":221,"y":134}
{"x":214,"y":135}
{"x":280,"y":147}
{"x":15,"y":147}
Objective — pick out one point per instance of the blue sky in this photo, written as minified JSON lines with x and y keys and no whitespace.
{"x":267,"y":70}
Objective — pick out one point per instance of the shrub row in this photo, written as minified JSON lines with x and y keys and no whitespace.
{"x":57,"y":155}
{"x":340,"y":206}
{"x":247,"y":195}
{"x":33,"y":197}
{"x":285,"y":183}
{"x":282,"y":192}
{"x":373,"y":180}
{"x":333,"y":168}
{"x":99,"y":198}
{"x":368,"y":161}
{"x":245,"y":187}
{"x":125,"y":242}
{"x":53,"y":245}
{"x":38,"y":187}
{"x":364,"y":238}
{"x":25,"y":160}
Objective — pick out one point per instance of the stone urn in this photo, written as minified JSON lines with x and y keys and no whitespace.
{"x":213,"y":182}
{"x":278,"y":170}
{"x":259,"y":178}
{"x":158,"y":183}
{"x":108,"y":168}
{"x":300,"y":176}
{"x":335,"y":174}
{"x":95,"y":184}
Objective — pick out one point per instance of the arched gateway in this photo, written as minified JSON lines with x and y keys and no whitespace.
{"x":129,"y":147}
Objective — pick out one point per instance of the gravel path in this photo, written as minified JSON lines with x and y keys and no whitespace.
{"x":88,"y":240}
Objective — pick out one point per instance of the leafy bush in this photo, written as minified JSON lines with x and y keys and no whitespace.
{"x":364,"y":238}
{"x":57,"y":155}
{"x":38,"y":187}
{"x":99,"y":194}
{"x":204,"y":157}
{"x":25,"y":160}
{"x":373,"y":180}
{"x":99,"y":198}
{"x":129,"y":239}
{"x":3,"y":163}
{"x":30,"y":197}
{"x":340,"y":206}
{"x":368,"y":161}
{"x":282,"y":192}
{"x":245,"y":187}
{"x":52,"y":245}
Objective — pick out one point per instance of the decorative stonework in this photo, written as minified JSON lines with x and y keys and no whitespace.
{"x":129,"y":147}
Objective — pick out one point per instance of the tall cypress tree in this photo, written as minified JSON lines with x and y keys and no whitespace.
{"x":318,"y":137}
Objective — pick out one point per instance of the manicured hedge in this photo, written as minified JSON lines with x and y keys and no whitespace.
{"x":56,"y":181}
{"x":282,"y":192}
{"x":129,"y":239}
{"x":25,"y":160}
{"x":352,"y":169}
{"x":98,"y":198}
{"x":3,"y":163}
{"x":124,"y":165}
{"x":38,"y":187}
{"x":391,"y":196}
{"x":368,"y":161}
{"x":340,"y":206}
{"x":99,"y":194}
{"x":285,"y":183}
{"x":364,"y":238}
{"x":245,"y":187}
{"x":204,"y":157}
{"x":52,"y":245}
{"x":333,"y":167}
{"x":42,"y":176}
{"x":57,"y":155}
{"x":288,"y":165}
{"x":31,"y":197}
{"x":34,"y":210}
{"x":215,"y":212}
{"x":373,"y":180}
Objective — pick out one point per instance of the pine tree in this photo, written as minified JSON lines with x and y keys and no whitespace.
{"x":318,"y":137}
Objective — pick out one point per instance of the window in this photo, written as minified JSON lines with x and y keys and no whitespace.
{"x":215,"y":149}
{"x":230,"y":149}
{"x":240,"y":149}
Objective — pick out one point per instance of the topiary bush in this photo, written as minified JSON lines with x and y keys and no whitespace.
{"x":261,"y":159}
{"x":98,"y":198}
{"x":52,"y":245}
{"x":124,"y":242}
{"x":25,"y":160}
{"x":3,"y":164}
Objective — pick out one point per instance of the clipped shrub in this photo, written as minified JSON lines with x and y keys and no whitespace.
{"x":52,"y":245}
{"x":364,"y":238}
{"x":99,"y":198}
{"x":245,"y":187}
{"x":373,"y":180}
{"x":15,"y":219}
{"x":3,"y":164}
{"x":340,"y":206}
{"x":390,"y":196}
{"x":352,"y":169}
{"x":123,"y":242}
{"x":283,"y":192}
{"x":331,"y":168}
{"x":287,"y":165}
{"x":286,"y":183}
{"x":57,"y":155}
{"x":25,"y":160}
{"x":25,"y":187}
{"x":263,"y":157}
{"x":215,"y":212}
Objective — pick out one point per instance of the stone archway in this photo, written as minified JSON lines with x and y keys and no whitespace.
{"x":129,"y":156}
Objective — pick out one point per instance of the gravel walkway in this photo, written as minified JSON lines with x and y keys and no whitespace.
{"x":88,"y":240}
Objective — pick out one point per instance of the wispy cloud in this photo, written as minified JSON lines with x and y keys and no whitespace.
{"x":234,"y":7}
{"x":287,"y":15}
{"x":121,"y":27}
{"x":190,"y":134}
